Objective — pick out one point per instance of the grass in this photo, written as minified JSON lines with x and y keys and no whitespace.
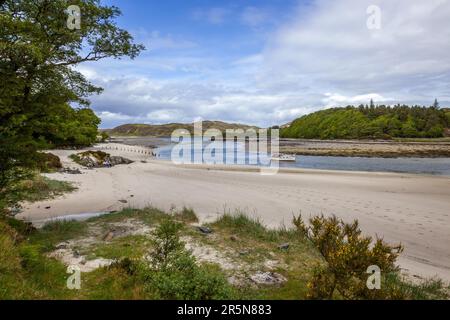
{"x":57,"y":231}
{"x":40,"y":188}
{"x":27,"y":273}
{"x":240,"y":233}
{"x":99,"y":156}
{"x":149,"y":216}
{"x":430,"y":289}
{"x":132,"y":247}
{"x":186,"y":215}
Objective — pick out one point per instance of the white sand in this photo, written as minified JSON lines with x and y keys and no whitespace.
{"x":411,"y":209}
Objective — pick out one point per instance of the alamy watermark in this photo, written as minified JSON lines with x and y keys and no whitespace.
{"x":374,"y":20}
{"x":374,"y":280}
{"x":74,"y":280}
{"x":74,"y":17}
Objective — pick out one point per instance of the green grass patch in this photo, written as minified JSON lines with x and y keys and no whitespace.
{"x":132,"y":247}
{"x":40,"y":188}
{"x":186,"y":215}
{"x":25,"y":273}
{"x":149,"y":216}
{"x":430,"y":289}
{"x":58,"y":231}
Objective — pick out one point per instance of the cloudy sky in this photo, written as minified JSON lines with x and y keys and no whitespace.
{"x":266,"y":62}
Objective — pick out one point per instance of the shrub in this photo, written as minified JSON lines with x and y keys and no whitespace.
{"x":348,"y":255}
{"x":48,"y":162}
{"x":172,"y":272}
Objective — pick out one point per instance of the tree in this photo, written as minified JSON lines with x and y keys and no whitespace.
{"x":436,"y":104}
{"x":38,"y":53}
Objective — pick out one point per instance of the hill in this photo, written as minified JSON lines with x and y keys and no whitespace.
{"x":165,"y":130}
{"x":374,"y":122}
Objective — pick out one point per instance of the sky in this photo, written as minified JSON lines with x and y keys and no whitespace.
{"x":267,"y":62}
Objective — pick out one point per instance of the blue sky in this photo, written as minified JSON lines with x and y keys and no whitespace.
{"x":268,"y":62}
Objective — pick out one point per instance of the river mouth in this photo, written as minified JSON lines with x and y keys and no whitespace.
{"x":432,"y":166}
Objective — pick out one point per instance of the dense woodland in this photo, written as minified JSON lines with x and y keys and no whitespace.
{"x":371,"y":122}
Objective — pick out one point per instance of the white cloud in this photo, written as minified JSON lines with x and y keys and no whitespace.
{"x":254,"y":17}
{"x":213,"y":15}
{"x":154,"y":40}
{"x":331,"y":46}
{"x":323,"y":56}
{"x":338,"y":100}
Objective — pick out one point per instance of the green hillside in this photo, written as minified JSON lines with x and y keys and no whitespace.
{"x":377,"y":122}
{"x":165,"y":130}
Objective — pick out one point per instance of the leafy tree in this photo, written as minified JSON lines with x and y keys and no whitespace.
{"x":370,"y":122}
{"x":38,"y":53}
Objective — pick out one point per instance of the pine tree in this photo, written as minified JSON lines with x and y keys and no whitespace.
{"x":436,"y":104}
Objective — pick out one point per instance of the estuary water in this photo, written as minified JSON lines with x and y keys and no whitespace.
{"x":435,"y":166}
{"x":238,"y":155}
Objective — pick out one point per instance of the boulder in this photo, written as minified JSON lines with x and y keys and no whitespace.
{"x":115,"y":160}
{"x":98,"y":159}
{"x":268,"y":278}
{"x":205,"y":230}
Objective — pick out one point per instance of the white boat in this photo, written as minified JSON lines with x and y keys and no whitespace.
{"x":283,"y":157}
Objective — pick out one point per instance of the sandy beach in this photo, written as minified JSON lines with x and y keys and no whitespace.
{"x":411,"y":209}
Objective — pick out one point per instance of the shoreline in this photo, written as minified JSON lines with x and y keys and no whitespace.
{"x":407,"y":208}
{"x":366,"y":148}
{"x":432,"y":149}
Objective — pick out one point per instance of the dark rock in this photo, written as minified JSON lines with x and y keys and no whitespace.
{"x":268,"y":278}
{"x":205,"y":230}
{"x":62,"y":245}
{"x":114,"y":233}
{"x":70,"y":171}
{"x":14,"y":211}
{"x":98,"y":159}
{"x":48,"y":207}
{"x":115,"y":160}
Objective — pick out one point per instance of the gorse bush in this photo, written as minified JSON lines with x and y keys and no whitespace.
{"x":172,"y":272}
{"x":348,"y":254}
